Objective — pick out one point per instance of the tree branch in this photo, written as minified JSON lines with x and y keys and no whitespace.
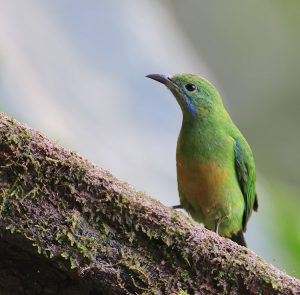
{"x":67,"y":226}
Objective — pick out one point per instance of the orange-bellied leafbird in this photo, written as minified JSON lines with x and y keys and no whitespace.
{"x":215,"y":166}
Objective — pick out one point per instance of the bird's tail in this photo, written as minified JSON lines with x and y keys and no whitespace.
{"x":239,"y":239}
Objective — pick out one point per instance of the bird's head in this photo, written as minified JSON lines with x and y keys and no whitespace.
{"x":196,"y":96}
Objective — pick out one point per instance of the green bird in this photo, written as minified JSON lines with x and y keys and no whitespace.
{"x":215,"y":166}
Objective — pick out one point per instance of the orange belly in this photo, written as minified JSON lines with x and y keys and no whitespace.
{"x":204,"y":189}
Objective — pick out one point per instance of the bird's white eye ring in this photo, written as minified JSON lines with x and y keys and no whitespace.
{"x":190,"y":87}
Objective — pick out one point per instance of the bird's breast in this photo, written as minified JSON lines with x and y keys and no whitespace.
{"x":204,"y":188}
{"x":201,"y":178}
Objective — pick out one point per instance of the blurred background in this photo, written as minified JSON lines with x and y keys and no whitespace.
{"x":75,"y":71}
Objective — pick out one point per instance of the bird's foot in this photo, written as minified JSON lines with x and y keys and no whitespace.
{"x":216,"y":228}
{"x":177,"y":207}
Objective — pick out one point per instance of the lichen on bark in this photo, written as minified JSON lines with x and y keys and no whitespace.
{"x":67,"y":226}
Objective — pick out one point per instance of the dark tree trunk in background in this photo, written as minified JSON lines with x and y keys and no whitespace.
{"x":68,"y":227}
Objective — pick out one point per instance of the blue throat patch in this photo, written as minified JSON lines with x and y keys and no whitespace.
{"x":189,"y":105}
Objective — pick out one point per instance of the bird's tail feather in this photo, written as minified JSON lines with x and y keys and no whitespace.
{"x":239,"y":239}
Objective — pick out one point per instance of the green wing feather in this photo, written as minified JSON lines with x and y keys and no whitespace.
{"x":245,"y":170}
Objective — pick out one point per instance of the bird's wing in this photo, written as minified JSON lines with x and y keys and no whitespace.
{"x":245,"y":171}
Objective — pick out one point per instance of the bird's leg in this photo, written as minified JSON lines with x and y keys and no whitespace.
{"x":216,"y":229}
{"x":177,"y":207}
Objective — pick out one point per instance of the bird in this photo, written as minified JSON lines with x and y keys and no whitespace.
{"x":216,"y":173}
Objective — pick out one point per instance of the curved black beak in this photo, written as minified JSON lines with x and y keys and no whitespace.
{"x":160,"y":78}
{"x":164,"y":79}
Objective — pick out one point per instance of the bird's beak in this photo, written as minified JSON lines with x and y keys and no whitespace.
{"x":162,"y":79}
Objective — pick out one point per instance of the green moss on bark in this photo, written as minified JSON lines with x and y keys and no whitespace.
{"x":96,"y":231}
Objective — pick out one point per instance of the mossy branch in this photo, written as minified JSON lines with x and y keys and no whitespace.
{"x":68,"y":227}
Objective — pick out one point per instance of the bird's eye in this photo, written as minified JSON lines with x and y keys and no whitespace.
{"x":190,"y":87}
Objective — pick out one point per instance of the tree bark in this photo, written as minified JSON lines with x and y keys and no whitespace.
{"x":68,"y":227}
